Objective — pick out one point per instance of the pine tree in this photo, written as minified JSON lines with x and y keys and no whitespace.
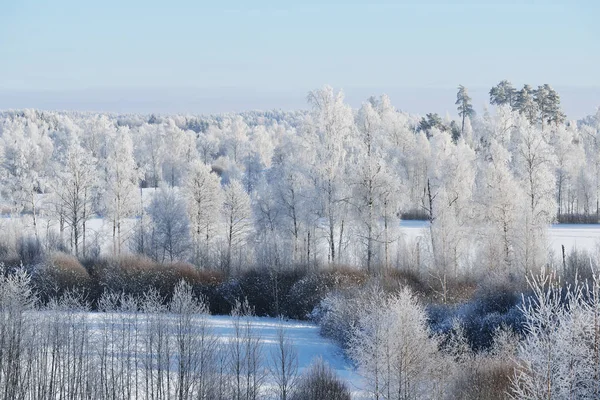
{"x":526,"y":103}
{"x":465,"y":107}
{"x":548,"y":103}
{"x":503,"y":93}
{"x":430,"y":121}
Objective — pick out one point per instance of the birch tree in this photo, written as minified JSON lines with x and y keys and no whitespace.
{"x":204,"y":197}
{"x":237,"y":215}
{"x":331,"y":123}
{"x":121,"y":183}
{"x":74,"y":186}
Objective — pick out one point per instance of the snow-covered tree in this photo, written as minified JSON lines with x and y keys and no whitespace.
{"x":122,"y":178}
{"x":500,"y":209}
{"x":560,"y":355}
{"x":290,"y":189}
{"x":170,"y":226}
{"x":503,"y":94}
{"x":526,"y":104}
{"x":533,"y":163}
{"x":26,"y":151}
{"x":465,"y":107}
{"x":447,"y":202}
{"x":73,"y":186}
{"x":237,"y":216}
{"x":331,"y":123}
{"x":394,"y":348}
{"x":204,"y":196}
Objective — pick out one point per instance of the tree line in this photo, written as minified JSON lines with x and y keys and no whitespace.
{"x":325,"y":186}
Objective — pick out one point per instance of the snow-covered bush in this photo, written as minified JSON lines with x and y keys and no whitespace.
{"x":560,"y":355}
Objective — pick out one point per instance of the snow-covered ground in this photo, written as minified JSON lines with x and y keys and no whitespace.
{"x":572,"y":236}
{"x":307,"y":341}
{"x":304,"y":337}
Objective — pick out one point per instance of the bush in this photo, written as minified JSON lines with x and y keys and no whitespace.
{"x":578,"y":265}
{"x":136,"y":275}
{"x":308,"y":292}
{"x":320,"y":382}
{"x":491,"y":380}
{"x":395,"y":279}
{"x":30,"y":251}
{"x":62,"y":273}
{"x":577,"y":218}
{"x":490,"y":308}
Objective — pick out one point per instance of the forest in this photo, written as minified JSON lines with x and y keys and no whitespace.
{"x":130,"y":230}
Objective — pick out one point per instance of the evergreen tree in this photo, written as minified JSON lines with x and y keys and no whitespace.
{"x":548,"y":103}
{"x":430,"y":121}
{"x":526,"y":103}
{"x":503,"y":93}
{"x":465,"y":107}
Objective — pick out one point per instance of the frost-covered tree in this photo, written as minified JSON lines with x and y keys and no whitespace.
{"x":570,"y":159}
{"x":560,"y":355}
{"x":526,"y":104}
{"x":533,"y":164}
{"x":204,"y":197}
{"x":331,"y":123}
{"x":237,"y":216}
{"x":284,"y":364}
{"x":503,"y":94}
{"x":500,"y":209}
{"x":246,"y":355}
{"x":394,"y":348}
{"x":26,"y":151}
{"x":179,"y":151}
{"x":73,"y":187}
{"x":149,"y":153}
{"x":208,"y":144}
{"x":447,"y":203}
{"x":548,"y":105}
{"x":370,"y":182}
{"x":465,"y":106}
{"x":122,"y":177}
{"x":170,"y":233}
{"x":235,"y":139}
{"x":291,"y":191}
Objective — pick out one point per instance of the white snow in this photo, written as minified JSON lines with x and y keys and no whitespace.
{"x":304,"y":336}
{"x":572,"y":236}
{"x":307,"y":341}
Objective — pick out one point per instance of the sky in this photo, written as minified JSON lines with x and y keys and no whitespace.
{"x":232,"y":55}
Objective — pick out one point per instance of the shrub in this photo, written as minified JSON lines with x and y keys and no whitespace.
{"x":320,"y":382}
{"x":306,"y":294}
{"x":129,"y":274}
{"x":268,"y":290}
{"x":491,"y":307}
{"x":395,"y":279}
{"x":30,"y":251}
{"x":489,"y":380}
{"x":61,"y":273}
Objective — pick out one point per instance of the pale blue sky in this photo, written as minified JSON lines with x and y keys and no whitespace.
{"x":200,"y":56}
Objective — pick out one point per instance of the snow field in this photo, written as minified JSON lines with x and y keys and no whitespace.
{"x":115,"y":327}
{"x":572,"y":236}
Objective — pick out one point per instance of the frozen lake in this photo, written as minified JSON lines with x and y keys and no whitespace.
{"x":572,"y":236}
